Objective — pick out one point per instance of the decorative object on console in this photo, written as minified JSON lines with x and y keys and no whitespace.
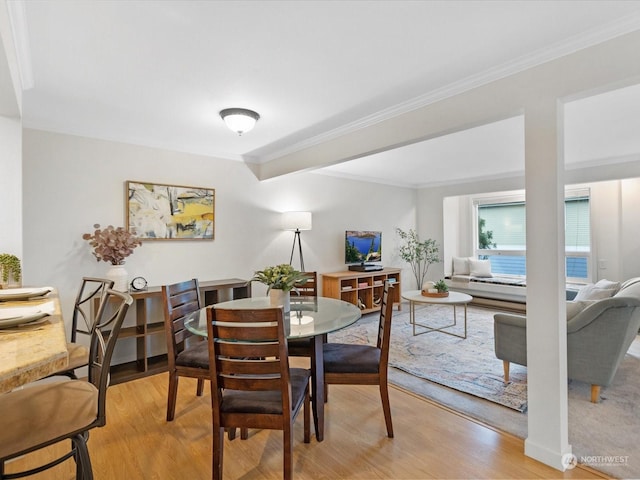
{"x":139,"y":284}
{"x":239,"y":120}
{"x":170,"y":212}
{"x":113,"y":245}
{"x":296,"y":222}
{"x":11,"y":270}
{"x":419,"y":255}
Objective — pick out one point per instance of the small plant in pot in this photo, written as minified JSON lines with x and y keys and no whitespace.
{"x":441,"y":286}
{"x":10,"y":268}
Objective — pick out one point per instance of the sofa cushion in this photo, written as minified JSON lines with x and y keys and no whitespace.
{"x":575,"y":307}
{"x":460,"y":265}
{"x":597,"y":291}
{"x":480,"y":268}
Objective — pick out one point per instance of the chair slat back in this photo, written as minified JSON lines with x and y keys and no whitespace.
{"x":179,"y":299}
{"x":248,"y":350}
{"x":308,"y":288}
{"x":384,"y":326}
{"x":91,"y":295}
{"x":103,"y":341}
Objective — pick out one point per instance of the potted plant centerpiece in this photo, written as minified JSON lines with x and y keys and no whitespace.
{"x":280,"y":281}
{"x":113,"y":245}
{"x":11,"y":270}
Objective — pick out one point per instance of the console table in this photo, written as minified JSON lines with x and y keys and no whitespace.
{"x":362,"y":289}
{"x":148,"y":330}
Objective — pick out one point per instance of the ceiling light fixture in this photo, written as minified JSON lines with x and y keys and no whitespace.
{"x":239,"y":120}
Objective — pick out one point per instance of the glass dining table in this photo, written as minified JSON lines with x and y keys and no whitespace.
{"x":310,"y":317}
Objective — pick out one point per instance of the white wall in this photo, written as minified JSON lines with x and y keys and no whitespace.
{"x":11,"y":186}
{"x":71,"y":182}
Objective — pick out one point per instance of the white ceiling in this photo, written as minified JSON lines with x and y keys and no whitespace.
{"x":157,"y":73}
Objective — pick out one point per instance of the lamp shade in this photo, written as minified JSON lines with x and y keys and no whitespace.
{"x":239,"y":120}
{"x":296,"y":221}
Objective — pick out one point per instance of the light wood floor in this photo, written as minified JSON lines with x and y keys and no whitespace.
{"x":430,"y":442}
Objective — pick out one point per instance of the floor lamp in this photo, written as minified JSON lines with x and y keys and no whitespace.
{"x":296,"y":222}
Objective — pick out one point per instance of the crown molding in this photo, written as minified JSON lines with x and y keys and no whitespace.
{"x":570,"y":45}
{"x":18,"y":20}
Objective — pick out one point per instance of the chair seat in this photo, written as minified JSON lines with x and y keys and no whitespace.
{"x":268,"y":402}
{"x":196,"y":356}
{"x":346,"y":358}
{"x":50,"y":410}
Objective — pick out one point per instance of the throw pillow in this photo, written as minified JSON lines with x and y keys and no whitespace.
{"x":593,"y":292}
{"x":460,"y":266}
{"x":480,"y":268}
{"x":608,"y":284}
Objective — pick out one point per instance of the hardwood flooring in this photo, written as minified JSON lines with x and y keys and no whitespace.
{"x":430,"y":442}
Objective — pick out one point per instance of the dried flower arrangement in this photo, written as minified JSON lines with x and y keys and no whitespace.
{"x":112,"y":244}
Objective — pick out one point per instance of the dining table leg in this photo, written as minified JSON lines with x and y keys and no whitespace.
{"x":317,"y":386}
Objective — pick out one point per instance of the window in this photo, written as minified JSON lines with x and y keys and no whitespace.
{"x":500,"y":226}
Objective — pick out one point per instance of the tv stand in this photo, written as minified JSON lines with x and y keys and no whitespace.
{"x":363,"y":289}
{"x":366,"y":267}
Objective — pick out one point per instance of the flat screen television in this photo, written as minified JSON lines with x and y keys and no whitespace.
{"x":362,"y":246}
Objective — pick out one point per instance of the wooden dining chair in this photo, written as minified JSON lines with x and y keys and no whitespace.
{"x":252,"y":385}
{"x":348,"y":364}
{"x":307,"y":287}
{"x":89,"y":303}
{"x":187,"y":354}
{"x":49,"y":412}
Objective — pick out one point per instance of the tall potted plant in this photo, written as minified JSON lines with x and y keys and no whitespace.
{"x":418,"y":254}
{"x":113,"y":245}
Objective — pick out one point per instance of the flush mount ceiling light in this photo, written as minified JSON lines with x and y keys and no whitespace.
{"x":239,"y":120}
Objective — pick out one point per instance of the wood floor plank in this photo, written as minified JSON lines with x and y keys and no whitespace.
{"x":430,"y":442}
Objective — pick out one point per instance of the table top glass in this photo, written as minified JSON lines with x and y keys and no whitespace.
{"x":309,"y":316}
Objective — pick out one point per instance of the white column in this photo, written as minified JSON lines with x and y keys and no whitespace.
{"x":547,"y":439}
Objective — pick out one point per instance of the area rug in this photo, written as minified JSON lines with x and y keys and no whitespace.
{"x":468,"y":365}
{"x":603,"y":436}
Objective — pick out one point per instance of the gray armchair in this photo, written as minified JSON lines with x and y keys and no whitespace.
{"x":597,"y":338}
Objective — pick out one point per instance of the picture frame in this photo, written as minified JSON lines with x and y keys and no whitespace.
{"x":157,"y":211}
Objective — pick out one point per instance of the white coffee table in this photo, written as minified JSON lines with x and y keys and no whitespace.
{"x":454,"y":299}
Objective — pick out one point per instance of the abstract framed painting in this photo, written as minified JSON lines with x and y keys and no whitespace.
{"x":157,"y":211}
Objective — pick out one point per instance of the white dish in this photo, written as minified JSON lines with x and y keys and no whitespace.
{"x":23,"y":293}
{"x":11,"y":317}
